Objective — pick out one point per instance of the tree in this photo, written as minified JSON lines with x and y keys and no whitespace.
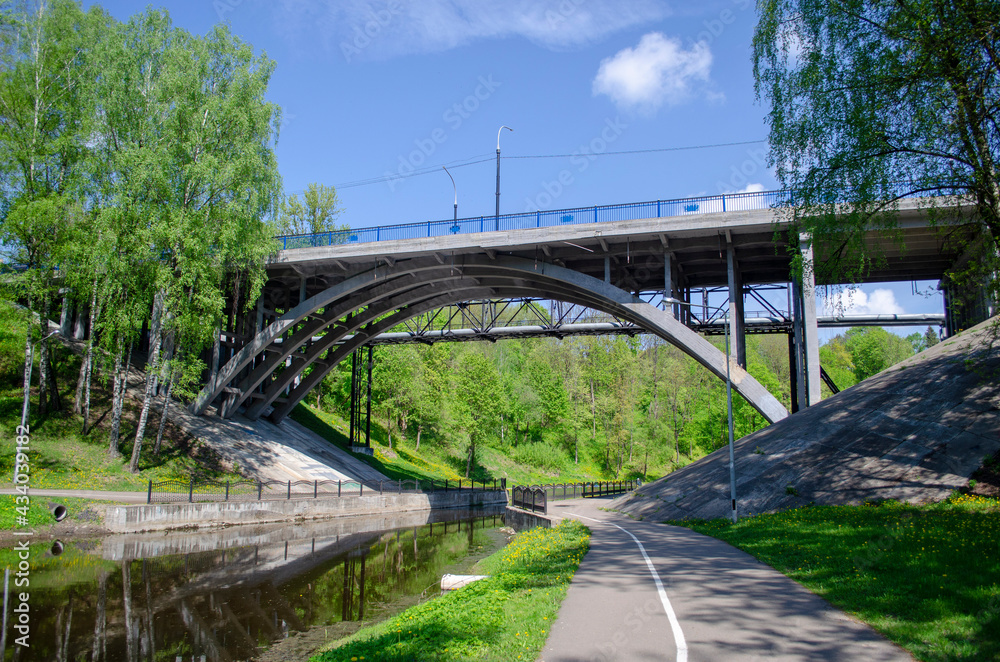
{"x":930,"y":338}
{"x":874,"y":100}
{"x":316,"y":212}
{"x":479,"y":397}
{"x":873,"y":349}
{"x":43,"y":128}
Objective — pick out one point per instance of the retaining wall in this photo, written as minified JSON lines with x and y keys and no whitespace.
{"x":521,"y":520}
{"x":158,"y":517}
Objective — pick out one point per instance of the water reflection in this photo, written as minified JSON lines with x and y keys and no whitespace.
{"x":230,"y":594}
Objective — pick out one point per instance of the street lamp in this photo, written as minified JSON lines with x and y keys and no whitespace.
{"x":729,"y":407}
{"x":455,"y":186}
{"x":498,"y":173}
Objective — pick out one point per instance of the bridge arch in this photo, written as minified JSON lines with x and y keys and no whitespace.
{"x":366,"y":304}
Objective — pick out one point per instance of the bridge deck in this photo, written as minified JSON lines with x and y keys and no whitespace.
{"x":632,"y":252}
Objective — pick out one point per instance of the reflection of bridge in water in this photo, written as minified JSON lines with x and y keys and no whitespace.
{"x":227,"y":593}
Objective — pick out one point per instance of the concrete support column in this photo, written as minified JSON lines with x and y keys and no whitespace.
{"x":302,"y":289}
{"x":213,"y":366}
{"x":80,"y":327}
{"x":793,"y":373}
{"x":737,"y":334}
{"x":607,"y":269}
{"x":798,"y":367}
{"x":809,"y":324}
{"x":66,"y":318}
{"x":668,"y":283}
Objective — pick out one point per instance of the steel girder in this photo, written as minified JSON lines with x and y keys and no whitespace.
{"x":408,"y":288}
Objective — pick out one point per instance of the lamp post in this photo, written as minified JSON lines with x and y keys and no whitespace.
{"x":455,"y":186}
{"x":729,"y":408}
{"x":498,"y":173}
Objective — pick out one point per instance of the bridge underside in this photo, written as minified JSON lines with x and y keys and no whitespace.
{"x":268,"y":371}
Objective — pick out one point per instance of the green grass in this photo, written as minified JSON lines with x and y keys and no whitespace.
{"x":433,"y":461}
{"x":506,"y":617}
{"x":60,"y":456}
{"x":927,"y":577}
{"x":38,"y":511}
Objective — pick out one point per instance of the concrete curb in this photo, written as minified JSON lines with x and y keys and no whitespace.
{"x":521,"y":520}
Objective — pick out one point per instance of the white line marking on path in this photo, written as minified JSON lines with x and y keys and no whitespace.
{"x":675,"y":626}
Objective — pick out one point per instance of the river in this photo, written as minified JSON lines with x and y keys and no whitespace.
{"x":269,"y":593}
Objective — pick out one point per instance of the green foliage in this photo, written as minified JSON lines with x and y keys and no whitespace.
{"x":871,"y":101}
{"x":926,"y":577}
{"x":873,"y":349}
{"x":314,"y":213}
{"x":504,"y":617}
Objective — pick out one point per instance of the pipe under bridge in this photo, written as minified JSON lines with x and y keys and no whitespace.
{"x":331,"y":294}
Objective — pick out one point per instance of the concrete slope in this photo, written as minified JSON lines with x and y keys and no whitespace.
{"x":274,"y":452}
{"x":914,"y":432}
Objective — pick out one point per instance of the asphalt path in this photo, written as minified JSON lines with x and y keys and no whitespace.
{"x":649,"y":591}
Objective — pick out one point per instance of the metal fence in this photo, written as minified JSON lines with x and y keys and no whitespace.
{"x":541,"y":219}
{"x":584,"y":490}
{"x":529,"y":498}
{"x":191,"y":491}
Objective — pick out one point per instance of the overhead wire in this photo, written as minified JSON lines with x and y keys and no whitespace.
{"x":483,"y":158}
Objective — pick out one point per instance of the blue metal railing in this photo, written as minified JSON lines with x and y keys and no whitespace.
{"x":540,"y":219}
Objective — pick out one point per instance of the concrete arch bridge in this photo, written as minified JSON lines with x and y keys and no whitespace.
{"x":329,"y":295}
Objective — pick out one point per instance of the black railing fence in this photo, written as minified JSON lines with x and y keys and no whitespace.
{"x":191,"y":491}
{"x":570,"y":491}
{"x":529,"y":498}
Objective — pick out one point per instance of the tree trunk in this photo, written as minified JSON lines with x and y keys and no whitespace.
{"x":130,"y":651}
{"x":28,"y":358}
{"x":163,"y":415}
{"x":90,"y":370}
{"x":83,"y":382}
{"x":420,"y":428}
{"x":52,"y":381}
{"x":118,"y":400}
{"x":593,"y":408}
{"x":100,"y":623}
{"x":43,"y":359}
{"x":468,"y":460}
{"x":152,"y":367}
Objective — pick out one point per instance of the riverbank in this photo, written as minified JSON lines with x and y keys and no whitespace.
{"x":504,"y":617}
{"x":165,"y":517}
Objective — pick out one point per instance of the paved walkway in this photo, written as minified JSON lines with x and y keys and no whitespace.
{"x":687,"y":597}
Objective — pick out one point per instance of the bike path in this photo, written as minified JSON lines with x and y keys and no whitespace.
{"x":692,"y":598}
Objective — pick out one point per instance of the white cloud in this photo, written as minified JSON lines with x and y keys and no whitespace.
{"x":749,"y":188}
{"x":657,"y":72}
{"x":389,"y":28}
{"x":858,"y":302}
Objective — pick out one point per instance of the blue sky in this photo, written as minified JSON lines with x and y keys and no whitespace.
{"x":383,"y":88}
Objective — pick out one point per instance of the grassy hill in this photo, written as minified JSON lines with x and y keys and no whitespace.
{"x":61,"y":456}
{"x":434,"y":462}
